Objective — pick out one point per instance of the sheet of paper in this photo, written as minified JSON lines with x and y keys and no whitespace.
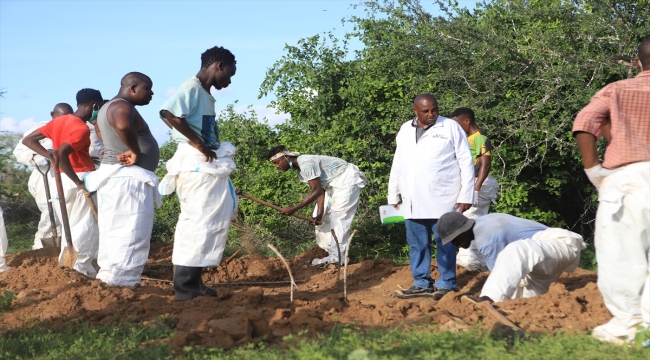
{"x":390,"y":215}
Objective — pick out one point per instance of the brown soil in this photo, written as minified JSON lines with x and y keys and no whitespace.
{"x":52,"y":296}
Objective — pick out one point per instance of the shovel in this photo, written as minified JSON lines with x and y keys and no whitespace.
{"x":55,"y":240}
{"x":248,"y":196}
{"x":69,"y":256}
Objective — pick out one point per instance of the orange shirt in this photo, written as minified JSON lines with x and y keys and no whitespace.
{"x":626,"y":104}
{"x":73,"y":131}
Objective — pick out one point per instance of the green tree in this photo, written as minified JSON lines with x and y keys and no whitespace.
{"x":525,"y":67}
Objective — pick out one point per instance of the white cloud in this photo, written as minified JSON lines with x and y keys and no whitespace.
{"x":265,"y":112}
{"x":17,"y":126}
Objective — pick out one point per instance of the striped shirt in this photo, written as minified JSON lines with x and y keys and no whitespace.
{"x":626,"y":104}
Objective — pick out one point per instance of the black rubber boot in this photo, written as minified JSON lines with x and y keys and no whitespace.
{"x":187,"y":282}
{"x":207,"y":291}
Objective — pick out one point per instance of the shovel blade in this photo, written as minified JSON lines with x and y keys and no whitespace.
{"x":69,"y":257}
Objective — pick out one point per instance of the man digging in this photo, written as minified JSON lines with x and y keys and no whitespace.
{"x":524,"y":257}
{"x":335,"y":185}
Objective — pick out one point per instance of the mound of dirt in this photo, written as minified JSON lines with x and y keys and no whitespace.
{"x":52,"y":296}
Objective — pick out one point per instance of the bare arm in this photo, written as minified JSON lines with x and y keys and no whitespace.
{"x":183,"y":127}
{"x":486,"y":166}
{"x":121,"y":117}
{"x":316,"y":191}
{"x":587,"y":147}
{"x":98,"y":131}
{"x":32,"y":141}
{"x":64,"y":164}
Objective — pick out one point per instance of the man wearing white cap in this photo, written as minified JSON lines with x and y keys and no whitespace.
{"x":524,"y":256}
{"x":335,"y":186}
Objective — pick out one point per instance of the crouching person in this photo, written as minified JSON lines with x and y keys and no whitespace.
{"x":126,"y":185}
{"x":524,"y":257}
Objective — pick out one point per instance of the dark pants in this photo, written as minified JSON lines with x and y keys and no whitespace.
{"x":418,"y":236}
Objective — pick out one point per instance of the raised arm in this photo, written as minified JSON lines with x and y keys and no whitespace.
{"x":32,"y":141}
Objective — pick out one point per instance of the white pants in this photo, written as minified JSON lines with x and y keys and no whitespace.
{"x":527,"y":268}
{"x":126,"y":210}
{"x":338,"y":215}
{"x":469,"y":258}
{"x":4,"y":242}
{"x":36,"y":187}
{"x":83,"y":227}
{"x":623,"y":248}
{"x":207,"y":205}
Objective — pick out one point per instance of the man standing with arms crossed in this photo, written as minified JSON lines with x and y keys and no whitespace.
{"x":126,"y":184}
{"x":198,"y":172}
{"x":433,"y":171}
{"x":622,"y":237}
{"x":71,"y":137}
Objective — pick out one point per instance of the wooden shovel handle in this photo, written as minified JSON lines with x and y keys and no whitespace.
{"x":497,"y":315}
{"x":275,"y":207}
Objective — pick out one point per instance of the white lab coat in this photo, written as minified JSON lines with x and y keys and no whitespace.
{"x":433,"y":174}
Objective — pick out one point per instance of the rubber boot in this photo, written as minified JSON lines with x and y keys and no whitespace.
{"x":187,"y":282}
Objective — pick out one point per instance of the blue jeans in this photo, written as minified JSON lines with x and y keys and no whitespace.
{"x":418,"y":236}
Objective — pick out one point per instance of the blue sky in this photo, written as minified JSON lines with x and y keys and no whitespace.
{"x":51,"y":49}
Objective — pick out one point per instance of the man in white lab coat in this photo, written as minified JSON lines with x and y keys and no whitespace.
{"x":433,"y":171}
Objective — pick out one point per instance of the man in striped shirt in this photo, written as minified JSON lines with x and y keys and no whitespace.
{"x":622,"y":236}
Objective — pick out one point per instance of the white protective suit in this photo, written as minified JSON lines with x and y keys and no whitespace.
{"x":469,"y":258}
{"x":623,"y":250}
{"x":341,"y":201}
{"x":125,"y":205}
{"x":4,"y":242}
{"x":208,"y":203}
{"x":83,"y":227}
{"x":433,"y":174}
{"x":36,"y":186}
{"x":527,"y":267}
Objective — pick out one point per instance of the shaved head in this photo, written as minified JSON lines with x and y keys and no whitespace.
{"x":424,"y":97}
{"x":134,"y":78}
{"x":61,"y":109}
{"x":644,"y":53}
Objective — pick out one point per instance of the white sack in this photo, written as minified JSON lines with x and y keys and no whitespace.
{"x":208,"y":202}
{"x":126,"y":212}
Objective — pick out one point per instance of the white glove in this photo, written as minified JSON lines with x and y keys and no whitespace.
{"x":39,"y":160}
{"x":597,"y":173}
{"x":475,"y":204}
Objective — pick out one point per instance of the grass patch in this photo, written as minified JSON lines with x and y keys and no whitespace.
{"x":343,"y":342}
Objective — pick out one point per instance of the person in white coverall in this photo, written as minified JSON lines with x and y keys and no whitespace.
{"x":4,"y":242}
{"x":485,"y":186}
{"x":335,"y":186}
{"x":71,"y":137}
{"x":524,"y":257}
{"x":36,"y":185}
{"x":622,"y":236}
{"x":127,"y":187}
{"x":199,"y":173}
